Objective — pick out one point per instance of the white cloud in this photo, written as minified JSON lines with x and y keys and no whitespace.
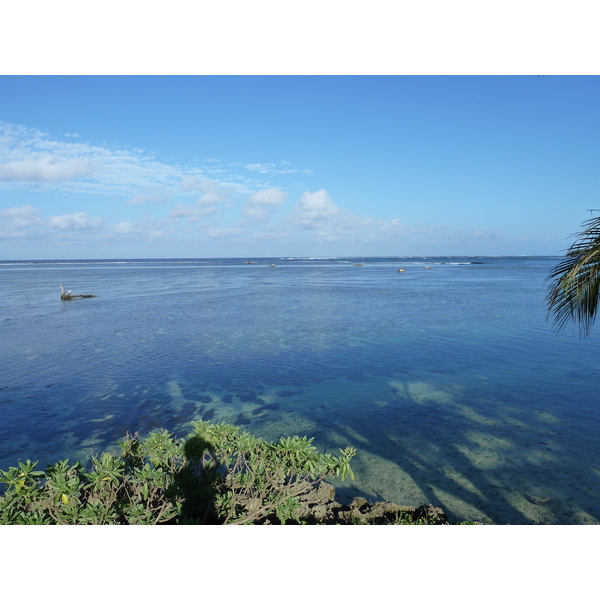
{"x":24,"y":216}
{"x":193,"y":213}
{"x":28,"y":155}
{"x":212,"y":192}
{"x":395,"y":229}
{"x":272,"y":197}
{"x":257,"y":213}
{"x":231,"y":187}
{"x":68,"y":166}
{"x":206,"y":185}
{"x":123,"y":228}
{"x":315,"y":209}
{"x":31,"y":159}
{"x":393,"y":226}
{"x":204,"y":211}
{"x":212,"y":197}
{"x":75,"y":221}
{"x":188,"y":184}
{"x":145,"y":229}
{"x":47,"y":168}
{"x":180,"y":211}
{"x":261,"y":167}
{"x":26,"y":221}
{"x":192,"y":184}
{"x":155,"y":233}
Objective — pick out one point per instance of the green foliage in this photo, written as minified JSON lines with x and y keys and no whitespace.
{"x":216,"y":475}
{"x":253,"y":479}
{"x":574,"y":292}
{"x":403,"y":518}
{"x":420,"y":516}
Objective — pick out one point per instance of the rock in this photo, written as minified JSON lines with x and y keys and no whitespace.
{"x":318,"y":506}
{"x":358,"y":503}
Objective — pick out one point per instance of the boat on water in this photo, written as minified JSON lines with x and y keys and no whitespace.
{"x":358,"y":264}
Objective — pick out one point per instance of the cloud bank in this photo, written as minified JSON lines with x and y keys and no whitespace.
{"x":77,"y":221}
{"x":47,"y":168}
{"x":138,"y":197}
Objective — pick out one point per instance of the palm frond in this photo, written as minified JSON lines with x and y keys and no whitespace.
{"x":574,"y":292}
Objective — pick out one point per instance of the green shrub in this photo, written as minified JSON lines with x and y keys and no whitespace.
{"x":215,"y":475}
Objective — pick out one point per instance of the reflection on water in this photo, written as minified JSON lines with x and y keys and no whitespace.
{"x":448,"y":381}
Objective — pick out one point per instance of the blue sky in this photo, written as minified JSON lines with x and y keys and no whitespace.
{"x":247,"y":166}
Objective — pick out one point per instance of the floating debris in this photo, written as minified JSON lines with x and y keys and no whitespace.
{"x":68,"y":296}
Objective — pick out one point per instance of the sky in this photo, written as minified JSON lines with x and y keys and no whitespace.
{"x":266,"y":166}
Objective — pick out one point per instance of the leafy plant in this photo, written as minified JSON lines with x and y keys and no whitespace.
{"x":574,"y":292}
{"x":218,"y":474}
{"x":253,"y":478}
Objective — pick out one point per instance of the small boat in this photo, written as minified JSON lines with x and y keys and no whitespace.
{"x":271,"y":265}
{"x":401,"y":270}
{"x":427,"y":267}
{"x":358,"y":265}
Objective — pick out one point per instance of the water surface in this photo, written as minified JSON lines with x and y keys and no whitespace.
{"x":448,"y":380}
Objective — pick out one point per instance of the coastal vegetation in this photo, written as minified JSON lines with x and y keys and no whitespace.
{"x":574,"y":292}
{"x":216,"y":475}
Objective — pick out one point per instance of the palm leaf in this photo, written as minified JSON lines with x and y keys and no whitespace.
{"x":574,"y":292}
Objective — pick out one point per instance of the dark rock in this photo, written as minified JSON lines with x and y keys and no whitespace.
{"x":318,"y":506}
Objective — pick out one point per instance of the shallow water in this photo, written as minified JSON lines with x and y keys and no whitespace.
{"x":449,"y":381}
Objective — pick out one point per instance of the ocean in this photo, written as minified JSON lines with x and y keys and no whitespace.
{"x":447,"y":378}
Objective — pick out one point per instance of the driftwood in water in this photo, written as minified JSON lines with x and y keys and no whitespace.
{"x":68,"y":296}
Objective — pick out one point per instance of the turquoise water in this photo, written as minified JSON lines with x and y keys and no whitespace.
{"x":448,"y":380}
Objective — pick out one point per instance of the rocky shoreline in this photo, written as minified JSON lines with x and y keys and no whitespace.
{"x":318,"y":507}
